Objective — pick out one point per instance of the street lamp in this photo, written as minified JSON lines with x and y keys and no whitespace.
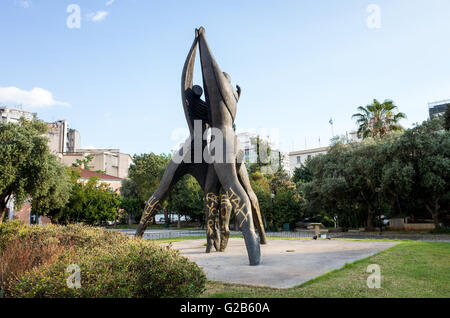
{"x":378,"y":190}
{"x":272,"y":196}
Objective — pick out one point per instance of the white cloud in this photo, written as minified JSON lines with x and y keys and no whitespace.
{"x":23,"y":3}
{"x":97,"y":16}
{"x":36,"y":97}
{"x":109,"y":2}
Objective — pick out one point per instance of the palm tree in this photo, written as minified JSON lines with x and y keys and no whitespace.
{"x":378,"y":118}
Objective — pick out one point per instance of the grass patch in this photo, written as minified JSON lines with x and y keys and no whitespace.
{"x":409,"y":269}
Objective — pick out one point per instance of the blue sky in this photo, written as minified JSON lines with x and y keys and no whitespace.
{"x":116,"y":79}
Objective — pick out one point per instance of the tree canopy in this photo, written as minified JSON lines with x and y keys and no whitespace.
{"x":447,"y":118}
{"x":187,"y":198}
{"x":146,"y":171}
{"x":404,"y":174}
{"x":91,"y":202}
{"x":28,"y":170}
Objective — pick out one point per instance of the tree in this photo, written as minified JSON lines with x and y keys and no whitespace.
{"x":129,"y":189}
{"x":423,"y":164}
{"x":447,"y":118}
{"x":131,"y":202}
{"x":400,"y":174}
{"x":287,"y":207}
{"x":261,"y":186}
{"x":186,"y":198}
{"x":54,"y":192}
{"x":302,"y":174}
{"x":132,"y":206}
{"x":346,"y":181}
{"x":84,"y":163}
{"x":280,"y":180}
{"x":378,"y":119}
{"x":28,"y":169}
{"x":146,"y":172}
{"x":91,"y":202}
{"x":279,"y":200}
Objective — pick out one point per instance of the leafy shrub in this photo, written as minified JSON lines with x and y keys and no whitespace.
{"x":441,"y":230}
{"x":20,"y":256}
{"x":111,"y":264}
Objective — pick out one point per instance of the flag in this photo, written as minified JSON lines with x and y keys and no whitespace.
{"x":331,"y":121}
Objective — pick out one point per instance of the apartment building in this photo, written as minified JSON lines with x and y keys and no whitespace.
{"x":13,"y":115}
{"x":248,"y":143}
{"x":298,"y":158}
{"x":62,"y":139}
{"x":111,"y":161}
{"x":438,"y":108}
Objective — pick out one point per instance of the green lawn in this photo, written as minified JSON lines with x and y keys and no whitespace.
{"x":410,"y":269}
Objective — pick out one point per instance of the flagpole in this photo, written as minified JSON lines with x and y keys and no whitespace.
{"x":332,"y":128}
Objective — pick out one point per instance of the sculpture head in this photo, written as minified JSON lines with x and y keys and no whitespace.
{"x":197,"y":90}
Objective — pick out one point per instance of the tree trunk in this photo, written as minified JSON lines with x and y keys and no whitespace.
{"x":179,"y":222}
{"x":166,"y":217}
{"x":434,"y":213}
{"x":2,"y":211}
{"x":399,"y":206}
{"x":370,"y":214}
{"x":2,"y":215}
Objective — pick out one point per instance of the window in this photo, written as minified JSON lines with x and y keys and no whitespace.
{"x":309,"y":156}
{"x":299,"y":159}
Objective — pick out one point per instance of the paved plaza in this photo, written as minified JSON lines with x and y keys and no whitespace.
{"x":284,"y":263}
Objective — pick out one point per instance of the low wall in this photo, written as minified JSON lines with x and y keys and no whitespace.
{"x":400,"y":224}
{"x":419,"y":227}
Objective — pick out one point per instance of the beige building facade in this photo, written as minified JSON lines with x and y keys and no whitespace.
{"x":62,"y":139}
{"x":298,"y":158}
{"x":111,"y":161}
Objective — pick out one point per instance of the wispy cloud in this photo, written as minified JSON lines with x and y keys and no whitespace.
{"x":109,"y":2}
{"x":36,"y":97}
{"x":97,"y":16}
{"x":24,"y":3}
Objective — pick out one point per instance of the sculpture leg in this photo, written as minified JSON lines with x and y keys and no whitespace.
{"x":211,"y":189}
{"x":171,"y":176}
{"x":245,"y":181}
{"x":212,"y":221}
{"x":241,"y":205}
{"x":225,"y":213}
{"x":152,"y":206}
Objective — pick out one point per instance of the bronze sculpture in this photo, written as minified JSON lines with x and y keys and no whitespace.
{"x":222,"y":176}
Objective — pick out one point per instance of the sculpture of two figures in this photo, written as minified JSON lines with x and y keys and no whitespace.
{"x":215,"y":161}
